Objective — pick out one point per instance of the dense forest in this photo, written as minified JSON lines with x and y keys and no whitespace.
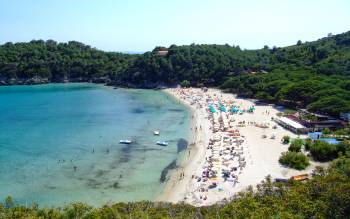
{"x":57,"y":62}
{"x":313,"y":75}
{"x":326,"y":195}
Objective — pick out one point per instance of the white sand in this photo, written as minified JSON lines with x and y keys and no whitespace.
{"x":261,"y":154}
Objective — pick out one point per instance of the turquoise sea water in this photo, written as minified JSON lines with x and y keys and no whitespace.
{"x":46,"y":130}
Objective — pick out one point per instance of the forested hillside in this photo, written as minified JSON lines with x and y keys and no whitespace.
{"x":57,"y":61}
{"x":313,"y":75}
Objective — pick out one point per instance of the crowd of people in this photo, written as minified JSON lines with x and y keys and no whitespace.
{"x":225,"y":156}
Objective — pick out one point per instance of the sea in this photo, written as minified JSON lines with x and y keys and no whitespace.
{"x":59,"y":143}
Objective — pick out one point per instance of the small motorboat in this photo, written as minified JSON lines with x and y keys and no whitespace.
{"x":125,"y":141}
{"x":162,"y":143}
{"x":156,"y":132}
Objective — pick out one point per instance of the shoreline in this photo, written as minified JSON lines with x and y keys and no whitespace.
{"x":176,"y":186}
{"x":260,"y":156}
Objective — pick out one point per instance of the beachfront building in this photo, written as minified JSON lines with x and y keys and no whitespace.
{"x":163,"y":52}
{"x":331,"y":124}
{"x":316,"y":122}
{"x":291,"y":125}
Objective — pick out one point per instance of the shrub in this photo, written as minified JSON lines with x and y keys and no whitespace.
{"x":343,"y":146}
{"x":185,"y":83}
{"x":9,"y":202}
{"x":296,"y":160}
{"x":286,"y":139}
{"x":307,"y":144}
{"x":326,"y":131}
{"x":323,"y":151}
{"x":296,"y":145}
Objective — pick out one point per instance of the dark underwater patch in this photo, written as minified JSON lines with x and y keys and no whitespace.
{"x":93,"y":183}
{"x":115,"y":185}
{"x":124,"y":159}
{"x":51,"y":187}
{"x":147,"y":149}
{"x":138,"y":110}
{"x":165,"y":171}
{"x":100,"y":173}
{"x":181,"y":145}
{"x":176,"y":110}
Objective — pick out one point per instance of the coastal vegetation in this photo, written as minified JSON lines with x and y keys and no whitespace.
{"x":313,"y":75}
{"x":50,"y":61}
{"x":286,"y":139}
{"x":323,"y":151}
{"x":296,"y":145}
{"x":325,"y":195}
{"x":296,"y":160}
{"x":319,"y":151}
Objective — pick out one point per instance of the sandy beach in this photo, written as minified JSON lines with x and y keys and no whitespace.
{"x":227,"y":152}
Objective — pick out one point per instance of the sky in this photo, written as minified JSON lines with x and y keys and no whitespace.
{"x":140,"y":25}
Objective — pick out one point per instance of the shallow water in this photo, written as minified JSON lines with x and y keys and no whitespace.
{"x":47,"y":130}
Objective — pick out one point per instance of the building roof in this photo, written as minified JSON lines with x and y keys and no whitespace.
{"x":292,"y":123}
{"x":163,"y":52}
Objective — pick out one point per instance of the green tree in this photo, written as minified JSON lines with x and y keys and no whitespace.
{"x":308,"y":143}
{"x":323,"y":151}
{"x":296,"y":160}
{"x":326,"y":131}
{"x":296,"y":145}
{"x":185,"y":83}
{"x":9,"y":202}
{"x":343,"y":147}
{"x":331,"y":105}
{"x":285,"y":139}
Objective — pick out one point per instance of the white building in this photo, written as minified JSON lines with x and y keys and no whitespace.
{"x":291,"y":125}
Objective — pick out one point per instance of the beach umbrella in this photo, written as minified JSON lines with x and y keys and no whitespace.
{"x":222,"y":108}
{"x":234,"y":109}
{"x":212,"y":109}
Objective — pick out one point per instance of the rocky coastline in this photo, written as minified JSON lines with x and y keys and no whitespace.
{"x":41,"y":80}
{"x":98,"y":80}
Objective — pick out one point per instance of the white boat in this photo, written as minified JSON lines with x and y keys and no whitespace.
{"x":125,"y":141}
{"x":156,"y":132}
{"x":162,"y":143}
